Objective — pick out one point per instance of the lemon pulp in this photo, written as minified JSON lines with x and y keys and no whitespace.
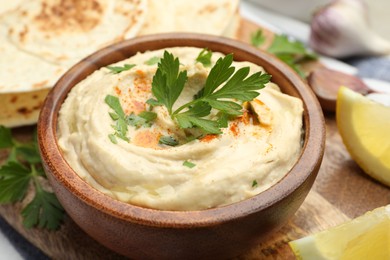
{"x":364,"y":126}
{"x":366,"y":237}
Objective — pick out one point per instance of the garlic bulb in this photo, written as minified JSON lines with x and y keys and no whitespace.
{"x":342,"y":29}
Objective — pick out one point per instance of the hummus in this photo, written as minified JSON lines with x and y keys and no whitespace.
{"x":253,"y":153}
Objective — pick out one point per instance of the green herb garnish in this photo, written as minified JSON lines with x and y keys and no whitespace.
{"x":168,"y":83}
{"x":22,"y":168}
{"x":204,"y":57}
{"x":117,"y":69}
{"x":189,"y":164}
{"x":152,"y":61}
{"x":168,"y":140}
{"x":119,"y":118}
{"x":144,"y":118}
{"x":254,"y":183}
{"x":257,"y":38}
{"x":282,"y":44}
{"x":290,"y":51}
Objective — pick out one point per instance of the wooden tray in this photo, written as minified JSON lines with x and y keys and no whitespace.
{"x":341,"y":191}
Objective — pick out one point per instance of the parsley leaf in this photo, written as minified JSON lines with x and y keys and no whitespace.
{"x":117,"y":69}
{"x":254,"y":183}
{"x":153,"y":60}
{"x":168,"y":82}
{"x":112,"y":138}
{"x":114,"y":103}
{"x":257,"y":38}
{"x":189,"y":164}
{"x":193,"y":117}
{"x":145,"y":118}
{"x":5,"y":137}
{"x":119,"y":117}
{"x":221,"y":72}
{"x":152,"y":102}
{"x":290,"y":51}
{"x":168,"y":140}
{"x":284,"y":44}
{"x":204,"y":57}
{"x":14,"y":180}
{"x":44,"y":211}
{"x":240,"y":87}
{"x":121,"y":129}
{"x":22,"y":168}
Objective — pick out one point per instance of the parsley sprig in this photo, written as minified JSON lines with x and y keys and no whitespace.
{"x":22,"y":169}
{"x":223,"y":85}
{"x":289,"y":50}
{"x":257,"y":38}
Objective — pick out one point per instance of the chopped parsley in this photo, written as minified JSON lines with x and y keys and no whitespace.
{"x":189,"y":164}
{"x":119,"y":118}
{"x":23,"y":168}
{"x":168,"y":140}
{"x":152,"y":61}
{"x":204,"y":57}
{"x":117,"y":69}
{"x":145,"y":119}
{"x":254,"y":183}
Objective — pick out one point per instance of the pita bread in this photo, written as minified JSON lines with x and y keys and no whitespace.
{"x":21,"y":109}
{"x":9,"y":5}
{"x":231,"y":30}
{"x":24,"y":82}
{"x":159,"y":18}
{"x":21,"y":72}
{"x":64,"y":31}
{"x":41,"y":39}
{"x":199,"y":16}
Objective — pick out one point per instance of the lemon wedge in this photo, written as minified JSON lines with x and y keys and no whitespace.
{"x":366,"y":237}
{"x":364,"y":126}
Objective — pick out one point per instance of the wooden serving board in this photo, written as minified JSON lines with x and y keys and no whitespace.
{"x":341,"y":191}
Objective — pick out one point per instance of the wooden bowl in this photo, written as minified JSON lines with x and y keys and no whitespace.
{"x":143,"y":233}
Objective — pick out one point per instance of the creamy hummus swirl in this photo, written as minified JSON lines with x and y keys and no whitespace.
{"x":244,"y":160}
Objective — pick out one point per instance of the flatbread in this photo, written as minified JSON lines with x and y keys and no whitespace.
{"x":9,"y":5}
{"x":24,"y":83}
{"x":64,"y":31}
{"x":41,"y":39}
{"x":204,"y":16}
{"x":23,"y":72}
{"x":160,"y":17}
{"x":215,"y":17}
{"x":21,"y":108}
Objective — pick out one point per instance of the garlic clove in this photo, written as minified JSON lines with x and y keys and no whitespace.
{"x":341,"y":29}
{"x":325,"y":83}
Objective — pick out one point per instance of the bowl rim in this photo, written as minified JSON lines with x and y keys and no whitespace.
{"x":309,"y":160}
